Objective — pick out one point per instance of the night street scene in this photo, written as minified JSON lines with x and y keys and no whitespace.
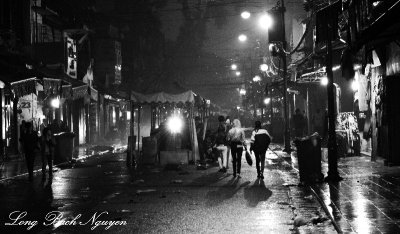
{"x":199,"y":116}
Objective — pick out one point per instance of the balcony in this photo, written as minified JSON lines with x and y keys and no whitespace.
{"x":372,"y":20}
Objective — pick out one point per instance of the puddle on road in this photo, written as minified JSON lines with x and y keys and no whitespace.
{"x":145,"y":191}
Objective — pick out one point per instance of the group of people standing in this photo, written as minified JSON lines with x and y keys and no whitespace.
{"x":230,"y":141}
{"x":32,"y":144}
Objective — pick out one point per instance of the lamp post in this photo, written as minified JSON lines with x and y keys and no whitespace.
{"x":333,"y":174}
{"x":284,"y":64}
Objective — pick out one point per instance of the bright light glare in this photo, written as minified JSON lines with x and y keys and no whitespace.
{"x":242,"y":38}
{"x":233,"y":66}
{"x":256,"y":78}
{"x":242,"y":91}
{"x":324,"y":81}
{"x":55,"y":103}
{"x":264,"y":67}
{"x":354,"y":86}
{"x":175,"y":124}
{"x":265,"y":22}
{"x":238,"y":73}
{"x":267,"y":101}
{"x":245,"y":14}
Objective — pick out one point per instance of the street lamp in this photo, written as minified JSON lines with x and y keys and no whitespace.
{"x":264,"y":67}
{"x":267,"y":101}
{"x":265,"y":21}
{"x":234,"y":67}
{"x":238,"y":73}
{"x":242,"y":92}
{"x":242,"y":38}
{"x":245,"y":14}
{"x":256,"y":78}
{"x":55,"y":103}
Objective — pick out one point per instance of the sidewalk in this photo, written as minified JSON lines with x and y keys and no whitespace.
{"x":15,"y":166}
{"x":365,"y":201}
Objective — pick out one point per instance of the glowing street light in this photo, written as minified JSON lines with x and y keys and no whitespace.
{"x":55,"y":103}
{"x":175,"y":124}
{"x":257,"y":78}
{"x":265,"y":22}
{"x":242,"y":92}
{"x":234,"y":67}
{"x":242,"y":38}
{"x":324,"y":81}
{"x":264,"y":67}
{"x":238,"y":73}
{"x":245,"y":15}
{"x":267,"y":101}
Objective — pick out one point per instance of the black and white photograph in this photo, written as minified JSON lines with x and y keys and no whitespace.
{"x":199,"y":116}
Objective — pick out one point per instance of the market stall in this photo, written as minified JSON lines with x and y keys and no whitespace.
{"x":168,"y":119}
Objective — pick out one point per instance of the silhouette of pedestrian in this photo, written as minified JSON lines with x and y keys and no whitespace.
{"x":47,"y":144}
{"x":260,"y":140}
{"x":30,"y":144}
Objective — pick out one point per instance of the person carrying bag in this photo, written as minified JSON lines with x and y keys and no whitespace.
{"x":236,"y":139}
{"x":260,"y":140}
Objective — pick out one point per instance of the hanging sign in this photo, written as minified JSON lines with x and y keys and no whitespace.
{"x":118,"y":63}
{"x":71,"y":58}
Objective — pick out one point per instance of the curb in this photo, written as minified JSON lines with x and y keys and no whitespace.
{"x":323,"y":205}
{"x":39,"y":170}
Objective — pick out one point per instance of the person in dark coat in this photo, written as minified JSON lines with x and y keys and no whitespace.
{"x":260,"y":140}
{"x":30,"y":141}
{"x":221,"y":144}
{"x":299,"y":123}
{"x":199,"y":132}
{"x":47,"y":144}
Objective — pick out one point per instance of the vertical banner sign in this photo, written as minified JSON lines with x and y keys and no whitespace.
{"x":71,"y":58}
{"x":118,"y":63}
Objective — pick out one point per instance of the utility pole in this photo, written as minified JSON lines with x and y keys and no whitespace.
{"x":285,"y":96}
{"x":333,"y":174}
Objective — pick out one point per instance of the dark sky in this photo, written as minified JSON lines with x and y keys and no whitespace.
{"x":224,"y":40}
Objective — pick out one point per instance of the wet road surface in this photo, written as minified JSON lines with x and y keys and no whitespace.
{"x":159,"y":200}
{"x":185,"y":200}
{"x":367,"y":200}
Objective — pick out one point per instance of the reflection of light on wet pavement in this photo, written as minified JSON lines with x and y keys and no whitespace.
{"x":361,"y":222}
{"x":60,"y":187}
{"x":270,"y":155}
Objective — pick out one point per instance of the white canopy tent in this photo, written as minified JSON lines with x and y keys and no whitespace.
{"x":186,"y":99}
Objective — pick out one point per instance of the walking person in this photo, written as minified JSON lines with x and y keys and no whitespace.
{"x":260,"y":140}
{"x":47,"y":144}
{"x":228,"y":124}
{"x":318,"y":121}
{"x":299,"y":123}
{"x":199,"y":132}
{"x":30,"y":143}
{"x":221,"y":144}
{"x":22,"y":132}
{"x":236,"y":139}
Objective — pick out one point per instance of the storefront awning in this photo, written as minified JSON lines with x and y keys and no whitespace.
{"x":79,"y":92}
{"x":94,"y":94}
{"x":24,"y":87}
{"x":162,"y":97}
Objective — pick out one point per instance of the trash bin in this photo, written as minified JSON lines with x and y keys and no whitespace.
{"x":309,"y":158}
{"x":64,"y":147}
